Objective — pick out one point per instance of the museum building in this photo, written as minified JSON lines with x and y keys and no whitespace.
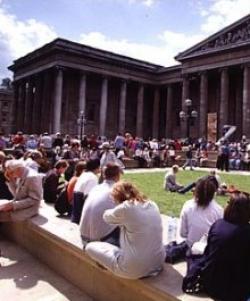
{"x":56,"y":82}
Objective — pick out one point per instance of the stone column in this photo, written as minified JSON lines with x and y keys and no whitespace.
{"x":28,"y":107}
{"x":82,"y":93}
{"x":156,"y":113}
{"x":246,"y":102}
{"x":46,"y":103}
{"x":103,"y":107}
{"x":185,"y":95}
{"x":36,"y":116}
{"x":82,"y":97}
{"x":20,"y":107}
{"x":122,"y":108}
{"x":203,"y":104}
{"x":169,"y":112}
{"x":58,"y":101}
{"x":224,"y":98}
{"x":139,"y":119}
{"x":13,"y":109}
{"x":238,"y":106}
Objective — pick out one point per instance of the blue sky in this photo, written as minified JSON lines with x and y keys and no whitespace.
{"x":152,"y":30}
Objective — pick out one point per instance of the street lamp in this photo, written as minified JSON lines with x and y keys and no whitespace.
{"x":188,"y":116}
{"x":81,"y":122}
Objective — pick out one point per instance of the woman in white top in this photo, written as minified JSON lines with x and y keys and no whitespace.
{"x":199,"y":213}
{"x":141,"y":251}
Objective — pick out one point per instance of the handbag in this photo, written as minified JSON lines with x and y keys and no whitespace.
{"x":175,"y":252}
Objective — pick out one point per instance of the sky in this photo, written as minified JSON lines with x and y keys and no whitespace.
{"x":150,"y":30}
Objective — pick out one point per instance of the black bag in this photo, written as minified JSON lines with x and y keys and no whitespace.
{"x":175,"y":252}
{"x":62,"y":204}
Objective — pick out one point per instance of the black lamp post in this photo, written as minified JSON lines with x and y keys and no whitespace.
{"x":81,"y":122}
{"x":188,"y":116}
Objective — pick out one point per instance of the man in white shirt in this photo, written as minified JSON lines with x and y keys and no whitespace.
{"x":84,"y":184}
{"x":92,"y":225}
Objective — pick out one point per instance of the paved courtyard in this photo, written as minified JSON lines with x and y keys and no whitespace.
{"x":24,"y":278}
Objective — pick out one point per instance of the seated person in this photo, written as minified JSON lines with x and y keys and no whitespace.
{"x":141,"y":251}
{"x":246,"y":160}
{"x":212,"y":174}
{"x":203,"y":157}
{"x":79,"y":169}
{"x":198,"y":214}
{"x":223,"y":270}
{"x":235,"y":160}
{"x":25,"y":185}
{"x":92,"y":225}
{"x":51,"y":184}
{"x":170,"y":180}
{"x":171,"y":155}
{"x":5,"y":193}
{"x":139,"y":157}
{"x":83,"y":186}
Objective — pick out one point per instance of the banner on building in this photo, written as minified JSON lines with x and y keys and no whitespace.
{"x":212,"y":127}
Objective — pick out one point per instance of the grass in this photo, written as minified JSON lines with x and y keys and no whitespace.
{"x":151,"y":184}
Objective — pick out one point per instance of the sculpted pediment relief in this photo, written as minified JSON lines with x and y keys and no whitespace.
{"x":232,"y":36}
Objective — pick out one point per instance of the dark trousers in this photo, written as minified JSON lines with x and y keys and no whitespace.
{"x":77,"y":205}
{"x":223,"y":162}
{"x":187,"y":188}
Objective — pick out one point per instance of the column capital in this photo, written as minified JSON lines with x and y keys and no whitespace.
{"x":203,"y":73}
{"x":106,"y":77}
{"x":246,"y":65}
{"x":223,"y":69}
{"x":83,"y":73}
{"x":185,"y":76}
{"x":59,"y":68}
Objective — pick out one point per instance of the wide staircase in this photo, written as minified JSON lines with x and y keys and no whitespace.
{"x":180,"y":160}
{"x":56,"y":242}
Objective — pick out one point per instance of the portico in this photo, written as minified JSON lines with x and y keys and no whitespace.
{"x":118,"y":94}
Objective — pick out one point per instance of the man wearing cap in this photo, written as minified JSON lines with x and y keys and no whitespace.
{"x":25,"y":185}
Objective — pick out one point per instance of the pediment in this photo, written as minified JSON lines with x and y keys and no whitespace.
{"x":232,"y":36}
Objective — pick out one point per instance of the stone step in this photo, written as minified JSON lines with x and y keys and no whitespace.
{"x":57,"y":242}
{"x":25,"y":278}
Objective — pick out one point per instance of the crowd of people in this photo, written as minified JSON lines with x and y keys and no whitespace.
{"x":121,"y":228}
{"x":148,"y":153}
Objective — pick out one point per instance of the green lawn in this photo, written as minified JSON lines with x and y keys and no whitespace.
{"x":171,"y":203}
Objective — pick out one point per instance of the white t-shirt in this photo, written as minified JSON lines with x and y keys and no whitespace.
{"x":86,"y":182}
{"x":92,"y":225}
{"x":195,"y":221}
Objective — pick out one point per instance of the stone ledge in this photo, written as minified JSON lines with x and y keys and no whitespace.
{"x":57,"y":242}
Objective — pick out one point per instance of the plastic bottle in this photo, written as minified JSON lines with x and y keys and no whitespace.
{"x":172,"y":228}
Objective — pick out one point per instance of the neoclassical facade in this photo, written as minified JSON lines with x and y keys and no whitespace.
{"x":54,"y":83}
